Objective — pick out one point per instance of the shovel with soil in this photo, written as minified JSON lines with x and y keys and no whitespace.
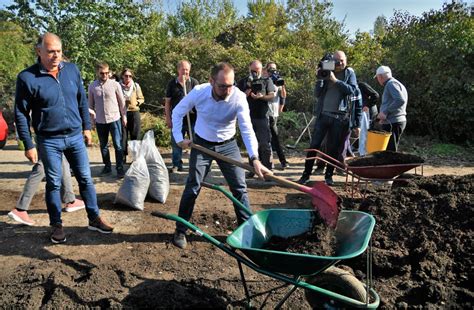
{"x":324,"y":199}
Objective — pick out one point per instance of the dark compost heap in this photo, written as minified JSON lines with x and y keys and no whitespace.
{"x":384,"y":158}
{"x":423,"y":243}
{"x":319,"y":241}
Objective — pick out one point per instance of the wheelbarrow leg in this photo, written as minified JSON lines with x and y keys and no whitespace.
{"x":287,"y":295}
{"x":244,"y":283}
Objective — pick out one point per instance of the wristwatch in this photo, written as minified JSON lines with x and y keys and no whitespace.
{"x":254,"y":157}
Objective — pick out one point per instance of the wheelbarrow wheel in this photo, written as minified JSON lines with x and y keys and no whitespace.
{"x":338,"y":281}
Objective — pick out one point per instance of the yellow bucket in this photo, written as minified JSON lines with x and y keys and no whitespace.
{"x":377,"y":141}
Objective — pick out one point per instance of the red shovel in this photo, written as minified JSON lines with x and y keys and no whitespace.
{"x":324,"y":199}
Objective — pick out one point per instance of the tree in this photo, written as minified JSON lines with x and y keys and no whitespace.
{"x":433,"y":56}
{"x":202,"y":18}
{"x":90,"y":30}
{"x":16,"y":53}
{"x":380,"y":26}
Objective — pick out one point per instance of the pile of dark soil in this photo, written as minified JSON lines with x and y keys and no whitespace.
{"x":385,"y":158}
{"x":319,"y":241}
{"x":423,"y":243}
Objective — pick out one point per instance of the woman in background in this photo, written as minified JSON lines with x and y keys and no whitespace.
{"x":133,"y":99}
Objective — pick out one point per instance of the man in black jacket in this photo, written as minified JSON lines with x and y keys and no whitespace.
{"x":370,"y":97}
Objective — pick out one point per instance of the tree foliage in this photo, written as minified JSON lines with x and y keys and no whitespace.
{"x":91,"y":31}
{"x":431,"y":54}
{"x":15,"y":55}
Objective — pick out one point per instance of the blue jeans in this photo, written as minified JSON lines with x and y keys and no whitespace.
{"x":52,"y":150}
{"x":199,"y":167}
{"x":115,"y":129}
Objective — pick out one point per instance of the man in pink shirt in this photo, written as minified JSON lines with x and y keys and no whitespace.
{"x":108,"y":105}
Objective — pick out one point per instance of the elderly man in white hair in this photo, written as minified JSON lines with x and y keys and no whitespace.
{"x":393,"y":115}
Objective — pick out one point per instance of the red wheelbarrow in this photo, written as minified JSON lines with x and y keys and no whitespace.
{"x":377,"y":166}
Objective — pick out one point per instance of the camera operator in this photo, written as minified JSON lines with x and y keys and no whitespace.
{"x":259,"y":91}
{"x":336,"y":113}
{"x":275,"y":107}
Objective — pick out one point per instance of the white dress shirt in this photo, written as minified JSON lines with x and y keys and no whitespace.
{"x":216,"y":120}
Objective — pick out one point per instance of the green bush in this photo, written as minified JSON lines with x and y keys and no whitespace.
{"x":158,"y":125}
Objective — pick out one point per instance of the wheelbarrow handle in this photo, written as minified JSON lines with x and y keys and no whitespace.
{"x":240,"y":205}
{"x":179,"y":219}
{"x":332,"y":160}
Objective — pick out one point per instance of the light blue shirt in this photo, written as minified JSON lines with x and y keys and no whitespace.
{"x":394,"y":101}
{"x":216,"y":120}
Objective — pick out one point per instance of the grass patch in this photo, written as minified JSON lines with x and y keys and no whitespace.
{"x":427,"y":147}
{"x":443,"y":149}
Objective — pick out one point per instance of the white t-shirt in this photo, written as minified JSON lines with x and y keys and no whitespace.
{"x":274,"y":104}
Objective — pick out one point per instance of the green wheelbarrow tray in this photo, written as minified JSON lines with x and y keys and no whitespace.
{"x":353,"y":232}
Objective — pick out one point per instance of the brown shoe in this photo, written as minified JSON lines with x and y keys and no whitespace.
{"x":100,"y":225}
{"x":57,"y":234}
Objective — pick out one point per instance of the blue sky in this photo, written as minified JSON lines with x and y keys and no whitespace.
{"x":358,"y":14}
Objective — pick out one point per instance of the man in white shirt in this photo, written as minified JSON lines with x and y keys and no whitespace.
{"x":219,"y":104}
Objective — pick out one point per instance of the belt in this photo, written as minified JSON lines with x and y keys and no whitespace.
{"x":335,"y":115}
{"x":214,"y":143}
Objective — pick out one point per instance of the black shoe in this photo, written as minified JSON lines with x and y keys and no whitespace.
{"x":180,"y":169}
{"x":173,"y":169}
{"x":179,"y":239}
{"x":285,"y":165}
{"x":120,"y":173}
{"x":57,"y":234}
{"x":304,"y":179}
{"x":329,"y":181}
{"x":106,"y":170}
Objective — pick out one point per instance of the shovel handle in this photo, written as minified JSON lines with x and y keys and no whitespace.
{"x":216,"y":155}
{"x":245,"y":166}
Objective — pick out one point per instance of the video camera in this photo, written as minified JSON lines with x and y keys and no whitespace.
{"x":276,"y":78}
{"x":326,"y":65}
{"x":254,"y":83}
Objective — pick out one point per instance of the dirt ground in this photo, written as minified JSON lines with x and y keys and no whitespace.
{"x":423,"y":245}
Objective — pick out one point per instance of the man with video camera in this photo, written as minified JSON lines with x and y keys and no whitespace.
{"x":336,"y":113}
{"x":259,"y":91}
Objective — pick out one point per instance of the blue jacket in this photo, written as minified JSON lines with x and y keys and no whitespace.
{"x":349,"y":89}
{"x":58,"y":107}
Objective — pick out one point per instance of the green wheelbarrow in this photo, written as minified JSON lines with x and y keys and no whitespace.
{"x":325,"y":285}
